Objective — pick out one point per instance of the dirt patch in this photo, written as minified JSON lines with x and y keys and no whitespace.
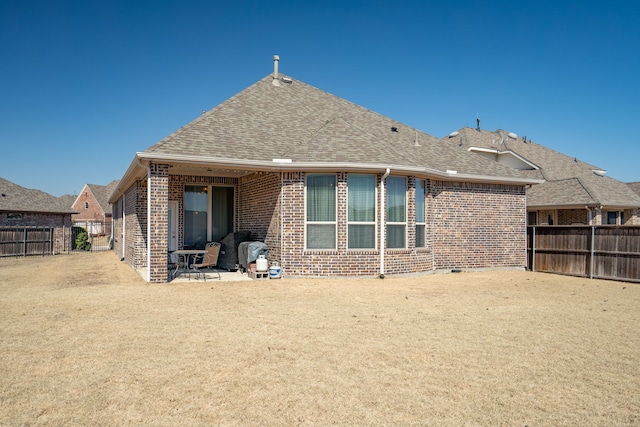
{"x":84,"y":341}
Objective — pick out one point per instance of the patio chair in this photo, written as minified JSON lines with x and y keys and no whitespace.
{"x":210,"y":260}
{"x":174,"y":264}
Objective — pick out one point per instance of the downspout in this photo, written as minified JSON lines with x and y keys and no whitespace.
{"x":148,"y":217}
{"x":589,"y":214}
{"x":383,"y":229}
{"x":124,"y":226}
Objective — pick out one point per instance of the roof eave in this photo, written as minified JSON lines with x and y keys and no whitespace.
{"x":136,"y":169}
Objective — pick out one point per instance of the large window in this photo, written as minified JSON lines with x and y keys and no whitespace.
{"x":396,"y":212}
{"x":195,"y":215}
{"x":321,"y":211}
{"x":221,"y":212}
{"x":420,"y":222}
{"x":208,"y":214}
{"x":362,"y":211}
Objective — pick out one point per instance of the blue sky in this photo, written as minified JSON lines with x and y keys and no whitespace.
{"x":85,"y":84}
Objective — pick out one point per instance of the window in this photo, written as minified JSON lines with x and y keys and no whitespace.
{"x":195,"y":215}
{"x":420,"y":222}
{"x":222,"y":208}
{"x":321,"y":211}
{"x":612,"y":218}
{"x":361,"y":211}
{"x":14,"y":216}
{"x":86,"y":205}
{"x":396,"y":212}
{"x":208,"y":214}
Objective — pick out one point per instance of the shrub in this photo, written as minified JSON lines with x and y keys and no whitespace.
{"x":82,"y":240}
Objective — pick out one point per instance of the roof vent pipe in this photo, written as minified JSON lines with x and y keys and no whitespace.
{"x":276,"y":82}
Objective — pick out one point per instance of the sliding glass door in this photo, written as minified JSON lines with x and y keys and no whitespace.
{"x":208,"y":214}
{"x":221,"y":212}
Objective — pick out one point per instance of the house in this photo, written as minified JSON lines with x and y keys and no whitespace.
{"x":29,"y":210}
{"x":635,"y":186}
{"x":573,"y":192}
{"x":92,"y":208}
{"x":332,"y":188}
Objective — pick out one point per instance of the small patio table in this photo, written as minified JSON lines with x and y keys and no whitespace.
{"x":186,"y":257}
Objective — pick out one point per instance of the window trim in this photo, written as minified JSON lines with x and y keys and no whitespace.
{"x":373,"y":223}
{"x":423,"y":223}
{"x":388,"y":222}
{"x":209,"y":191}
{"x":334,"y":222}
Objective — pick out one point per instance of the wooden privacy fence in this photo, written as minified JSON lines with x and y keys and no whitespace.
{"x":23,"y":241}
{"x":594,"y":251}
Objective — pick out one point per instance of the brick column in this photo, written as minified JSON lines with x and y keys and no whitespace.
{"x":158,"y":222}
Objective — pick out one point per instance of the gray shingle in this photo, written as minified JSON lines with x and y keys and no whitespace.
{"x":569,"y":181}
{"x":302,"y":123}
{"x":102,"y":194}
{"x":15,"y":198}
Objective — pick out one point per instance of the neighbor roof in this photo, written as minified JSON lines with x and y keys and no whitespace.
{"x":569,"y":181}
{"x":15,"y":198}
{"x":635,"y":186}
{"x":102,"y":193}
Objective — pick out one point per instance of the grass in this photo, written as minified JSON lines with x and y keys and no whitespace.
{"x":97,"y":346}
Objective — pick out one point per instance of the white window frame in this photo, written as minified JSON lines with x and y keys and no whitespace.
{"x":373,"y":223}
{"x":403,"y":223}
{"x":334,"y":223}
{"x":423,"y":223}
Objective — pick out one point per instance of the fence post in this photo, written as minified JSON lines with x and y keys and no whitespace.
{"x":533,"y":250}
{"x":593,"y":246}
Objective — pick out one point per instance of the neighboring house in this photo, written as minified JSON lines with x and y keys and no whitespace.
{"x":635,"y":186}
{"x":25,"y":207}
{"x":574,"y":192}
{"x":332,"y":188}
{"x":92,"y":208}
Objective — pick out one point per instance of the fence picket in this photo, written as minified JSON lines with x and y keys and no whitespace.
{"x":602,"y":252}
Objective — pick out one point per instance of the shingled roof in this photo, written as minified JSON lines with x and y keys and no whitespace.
{"x":569,"y":181}
{"x":102,"y":193}
{"x":292,"y":126}
{"x":635,"y":186}
{"x":15,"y":198}
{"x":303,"y":124}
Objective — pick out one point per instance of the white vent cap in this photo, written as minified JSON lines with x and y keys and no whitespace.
{"x":512,"y":135}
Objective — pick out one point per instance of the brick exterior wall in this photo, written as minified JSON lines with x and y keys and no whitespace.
{"x":61,"y":224}
{"x":118,"y":238}
{"x":176,"y":194}
{"x":296,"y":261}
{"x":35,"y":219}
{"x":468,"y":225}
{"x":573,"y":217}
{"x":158,"y":227}
{"x":478,"y":225}
{"x":94,"y":211}
{"x":129,"y":228}
{"x":259,"y":203}
{"x":632,"y":216}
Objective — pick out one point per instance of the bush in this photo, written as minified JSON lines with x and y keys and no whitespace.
{"x":82,"y":240}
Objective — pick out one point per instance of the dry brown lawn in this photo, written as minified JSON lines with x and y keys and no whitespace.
{"x":98,"y":346}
